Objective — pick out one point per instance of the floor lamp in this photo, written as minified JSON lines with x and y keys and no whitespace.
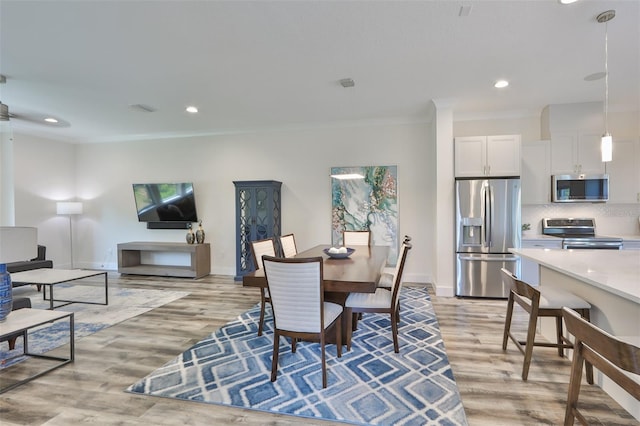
{"x":69,"y":208}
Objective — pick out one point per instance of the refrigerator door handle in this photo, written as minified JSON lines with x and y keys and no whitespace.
{"x":489,"y":259}
{"x":489,"y":218}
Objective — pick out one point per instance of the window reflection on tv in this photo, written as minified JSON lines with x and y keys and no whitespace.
{"x":165,"y":202}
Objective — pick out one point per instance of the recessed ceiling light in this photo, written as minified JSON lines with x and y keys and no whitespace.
{"x":50,"y":120}
{"x":501,"y":83}
{"x":192,"y":109}
{"x":567,"y":1}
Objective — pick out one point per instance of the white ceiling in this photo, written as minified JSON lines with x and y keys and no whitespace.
{"x":276,"y":64}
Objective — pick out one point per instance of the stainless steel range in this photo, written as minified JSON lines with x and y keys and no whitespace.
{"x":579,"y":234}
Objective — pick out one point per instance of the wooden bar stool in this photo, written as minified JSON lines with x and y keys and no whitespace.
{"x":543,"y":302}
{"x":608,"y":354}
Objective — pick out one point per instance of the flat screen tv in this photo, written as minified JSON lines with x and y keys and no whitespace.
{"x":173,"y":204}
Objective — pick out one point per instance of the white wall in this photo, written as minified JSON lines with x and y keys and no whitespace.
{"x":301,"y":159}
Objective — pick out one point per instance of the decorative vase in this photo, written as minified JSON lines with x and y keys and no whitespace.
{"x":6,"y":294}
{"x":200,"y":234}
{"x":191,"y":237}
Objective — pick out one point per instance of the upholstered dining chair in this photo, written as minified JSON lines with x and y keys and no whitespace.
{"x":258,"y":249}
{"x":299,"y":310}
{"x":288,"y":244}
{"x":540,"y":302}
{"x":382,"y":301}
{"x":356,"y":238}
{"x":607,"y":353}
{"x":387,"y":276}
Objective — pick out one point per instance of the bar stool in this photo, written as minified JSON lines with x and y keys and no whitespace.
{"x":542,"y":302}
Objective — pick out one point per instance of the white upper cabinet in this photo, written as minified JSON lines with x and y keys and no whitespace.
{"x":536,"y":172}
{"x":624,"y":172}
{"x":477,"y":156}
{"x":576,"y":153}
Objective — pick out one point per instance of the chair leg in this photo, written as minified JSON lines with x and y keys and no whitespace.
{"x":12,"y":343}
{"x":559,"y":335}
{"x":324,"y":365}
{"x":338,"y":327}
{"x":507,"y":322}
{"x":274,"y":361}
{"x":294,"y":343}
{"x":528,"y":350}
{"x":348,"y":314}
{"x":588,"y":366}
{"x":574,"y":385}
{"x":263,"y":306}
{"x":394,"y":331}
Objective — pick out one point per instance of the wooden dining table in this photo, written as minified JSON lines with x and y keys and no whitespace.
{"x":359,"y":273}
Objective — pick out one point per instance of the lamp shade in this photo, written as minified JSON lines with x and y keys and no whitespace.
{"x":69,"y":207}
{"x":607,"y":147}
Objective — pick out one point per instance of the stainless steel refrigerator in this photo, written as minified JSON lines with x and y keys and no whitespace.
{"x":487,"y":225}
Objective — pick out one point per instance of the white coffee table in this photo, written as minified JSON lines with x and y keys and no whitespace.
{"x":22,"y":320}
{"x":49,"y":277}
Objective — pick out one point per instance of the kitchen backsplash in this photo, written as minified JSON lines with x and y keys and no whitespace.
{"x":611,"y":219}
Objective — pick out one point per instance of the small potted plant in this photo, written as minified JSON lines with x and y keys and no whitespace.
{"x":526,"y":227}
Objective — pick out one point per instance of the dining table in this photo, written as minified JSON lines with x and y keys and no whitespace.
{"x":358,"y":273}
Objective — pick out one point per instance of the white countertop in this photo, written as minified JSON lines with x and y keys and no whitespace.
{"x":616,"y":271}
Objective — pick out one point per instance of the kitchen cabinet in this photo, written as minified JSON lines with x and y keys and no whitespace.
{"x":576,"y":153}
{"x":624,"y":172}
{"x":536,"y":172}
{"x":477,"y":156}
{"x":529,"y":270}
{"x":258,"y":213}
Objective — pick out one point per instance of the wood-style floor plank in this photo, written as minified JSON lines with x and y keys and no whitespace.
{"x":91,"y":390}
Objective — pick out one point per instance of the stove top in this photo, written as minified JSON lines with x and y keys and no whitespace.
{"x":575,"y":230}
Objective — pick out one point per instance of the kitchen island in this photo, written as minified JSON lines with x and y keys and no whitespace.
{"x":610,"y":281}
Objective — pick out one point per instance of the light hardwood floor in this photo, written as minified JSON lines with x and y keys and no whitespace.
{"x":91,"y":390}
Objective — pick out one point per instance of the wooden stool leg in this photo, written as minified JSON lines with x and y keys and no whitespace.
{"x":588,"y":366}
{"x":559,"y":334}
{"x":528,"y":350}
{"x":507,"y":322}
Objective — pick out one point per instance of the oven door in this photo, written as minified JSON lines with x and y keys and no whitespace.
{"x":571,"y":244}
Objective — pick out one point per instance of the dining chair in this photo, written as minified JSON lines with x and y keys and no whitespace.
{"x":288,"y":244}
{"x":387,"y":277}
{"x":607,"y":353}
{"x":299,"y":310}
{"x":382,"y":301}
{"x":540,"y":302}
{"x":356,"y":238}
{"x":258,"y":249}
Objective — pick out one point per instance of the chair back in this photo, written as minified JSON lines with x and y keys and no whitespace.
{"x":356,"y":238}
{"x":605,"y":352}
{"x":260,"y":248}
{"x":297,"y":293}
{"x":396,"y":286}
{"x":288,"y":244}
{"x":522,"y":293}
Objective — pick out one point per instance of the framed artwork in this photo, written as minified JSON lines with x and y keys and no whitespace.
{"x":366,"y":198}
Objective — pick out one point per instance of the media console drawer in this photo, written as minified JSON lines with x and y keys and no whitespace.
{"x":138,"y":258}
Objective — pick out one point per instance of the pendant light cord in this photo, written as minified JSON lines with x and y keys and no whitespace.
{"x":606,"y":78}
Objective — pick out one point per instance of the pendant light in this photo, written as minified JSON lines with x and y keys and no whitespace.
{"x":606,"y":144}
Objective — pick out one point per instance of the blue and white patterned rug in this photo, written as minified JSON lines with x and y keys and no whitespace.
{"x":124,"y":303}
{"x":369,"y":385}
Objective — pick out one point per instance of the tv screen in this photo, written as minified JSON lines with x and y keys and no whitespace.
{"x":165,"y":202}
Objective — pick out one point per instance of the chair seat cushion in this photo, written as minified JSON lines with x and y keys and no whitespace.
{"x":386,"y":280}
{"x":331,"y":312}
{"x":380,"y":299}
{"x":555,"y":298}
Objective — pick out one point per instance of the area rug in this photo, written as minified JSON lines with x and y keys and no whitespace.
{"x":370,"y":385}
{"x":124,"y":303}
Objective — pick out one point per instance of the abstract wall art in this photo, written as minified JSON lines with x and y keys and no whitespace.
{"x":366,"y":198}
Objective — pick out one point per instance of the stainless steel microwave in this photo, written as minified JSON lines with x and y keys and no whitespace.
{"x":579,"y":188}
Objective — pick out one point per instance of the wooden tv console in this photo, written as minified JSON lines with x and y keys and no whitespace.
{"x":130,"y":259}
